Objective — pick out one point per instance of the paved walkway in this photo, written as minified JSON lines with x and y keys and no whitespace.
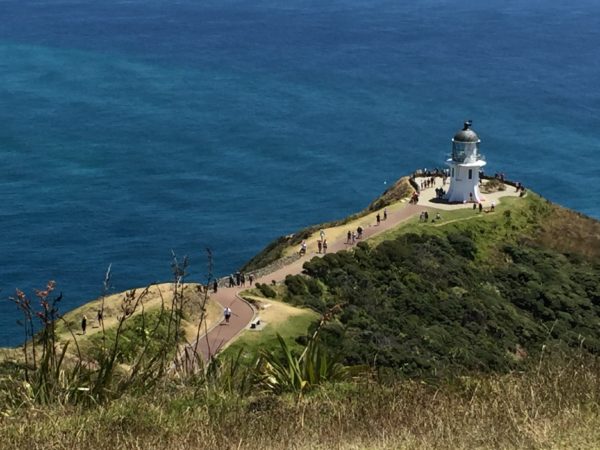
{"x":217,"y":338}
{"x":243,"y":313}
{"x":428,"y":196}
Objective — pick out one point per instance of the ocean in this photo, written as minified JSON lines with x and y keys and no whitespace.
{"x":131,"y":129}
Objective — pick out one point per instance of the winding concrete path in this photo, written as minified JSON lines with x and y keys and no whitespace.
{"x":243,"y":313}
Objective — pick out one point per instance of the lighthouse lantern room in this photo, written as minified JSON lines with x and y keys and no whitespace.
{"x":465,"y":164}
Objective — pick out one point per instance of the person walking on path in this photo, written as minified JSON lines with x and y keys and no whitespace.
{"x":251,"y":279}
{"x":319,"y":246}
{"x":227,"y":314}
{"x":384,"y":213}
{"x":231,"y":281}
{"x":322,"y":234}
{"x":215,"y":286}
{"x":378,"y":219}
{"x":99,"y":318}
{"x":324,"y":246}
{"x":83,"y":324}
{"x":349,"y":237}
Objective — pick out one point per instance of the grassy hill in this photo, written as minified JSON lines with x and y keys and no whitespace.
{"x":479,"y":330}
{"x":473,"y":292}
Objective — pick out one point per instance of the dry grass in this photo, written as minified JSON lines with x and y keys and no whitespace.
{"x":567,"y":231}
{"x":193,"y":298}
{"x":556,"y":407}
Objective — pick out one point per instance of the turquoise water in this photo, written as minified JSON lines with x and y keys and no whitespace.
{"x":132,"y":128}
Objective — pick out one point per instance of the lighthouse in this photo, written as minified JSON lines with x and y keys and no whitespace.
{"x":465,"y":164}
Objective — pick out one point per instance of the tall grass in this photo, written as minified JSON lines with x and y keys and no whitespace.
{"x":554,"y":407}
{"x":49,"y":375}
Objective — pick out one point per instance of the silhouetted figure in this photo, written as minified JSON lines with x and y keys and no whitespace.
{"x":324,"y":246}
{"x":349,"y":237}
{"x":319,"y":246}
{"x":384,"y":214}
{"x":83,"y":324}
{"x":227,"y":314}
{"x":378,"y":217}
{"x":215,"y":286}
{"x":99,"y":318}
{"x":251,"y":279}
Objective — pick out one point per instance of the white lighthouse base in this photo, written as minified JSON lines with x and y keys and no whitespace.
{"x":464,"y":182}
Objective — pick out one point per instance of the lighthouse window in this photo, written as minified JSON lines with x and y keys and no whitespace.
{"x":470,"y":174}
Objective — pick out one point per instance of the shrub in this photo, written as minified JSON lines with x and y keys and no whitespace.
{"x":266,"y":290}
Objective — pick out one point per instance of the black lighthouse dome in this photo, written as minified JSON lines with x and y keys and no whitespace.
{"x":466,"y":134}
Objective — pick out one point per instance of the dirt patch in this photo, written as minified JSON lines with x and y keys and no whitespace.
{"x":272,"y":311}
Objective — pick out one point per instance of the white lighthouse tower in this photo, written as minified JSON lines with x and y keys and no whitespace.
{"x":465,"y":164}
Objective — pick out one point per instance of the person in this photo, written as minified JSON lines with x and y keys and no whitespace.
{"x":438,"y":216}
{"x":99,"y":317}
{"x":378,"y":217}
{"x":324,"y":246}
{"x":353,"y":237}
{"x":251,"y":278}
{"x":231,"y":281}
{"x":303,"y":248}
{"x":384,"y":213}
{"x":227,"y":314}
{"x":359,"y":232}
{"x":348,"y":237}
{"x":83,"y":324}
{"x":238,"y":279}
{"x":322,"y":234}
{"x":243,"y":278}
{"x":480,"y":207}
{"x":319,"y":246}
{"x":493,"y":207}
{"x":215,"y":286}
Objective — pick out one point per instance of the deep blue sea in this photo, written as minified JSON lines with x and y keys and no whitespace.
{"x":132,"y":128}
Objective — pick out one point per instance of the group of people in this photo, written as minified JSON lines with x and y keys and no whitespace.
{"x":427,"y":183}
{"x":424,"y":217}
{"x":480,"y":206}
{"x":431,"y":172}
{"x":520,"y":187}
{"x":440,"y":193}
{"x":353,"y":236}
{"x":322,"y":246}
{"x":99,"y":321}
{"x":414,"y":199}
{"x":237,"y":279}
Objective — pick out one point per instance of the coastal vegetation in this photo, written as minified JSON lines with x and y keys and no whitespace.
{"x":473,"y":330}
{"x":432,"y":299}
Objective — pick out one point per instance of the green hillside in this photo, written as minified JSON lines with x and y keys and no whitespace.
{"x":474,"y":330}
{"x":475,"y":292}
